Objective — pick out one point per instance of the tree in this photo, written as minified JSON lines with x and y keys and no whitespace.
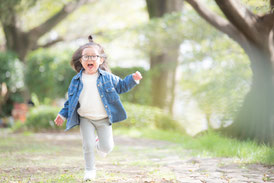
{"x":20,"y":41}
{"x":255,"y":34}
{"x":164,"y":64}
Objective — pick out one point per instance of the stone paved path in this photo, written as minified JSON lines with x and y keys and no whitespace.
{"x":141,"y":161}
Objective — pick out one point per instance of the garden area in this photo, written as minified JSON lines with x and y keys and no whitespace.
{"x":202,"y":112}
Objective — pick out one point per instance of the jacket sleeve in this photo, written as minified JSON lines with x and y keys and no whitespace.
{"x":123,"y":85}
{"x":64,"y":110}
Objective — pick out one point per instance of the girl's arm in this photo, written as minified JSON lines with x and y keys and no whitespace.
{"x":63,"y":114}
{"x":64,"y":110}
{"x":124,"y":85}
{"x":59,"y":120}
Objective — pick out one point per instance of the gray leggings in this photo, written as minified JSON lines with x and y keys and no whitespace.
{"x":104,"y":132}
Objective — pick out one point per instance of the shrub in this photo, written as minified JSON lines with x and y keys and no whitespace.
{"x":48,"y":73}
{"x":18,"y":126}
{"x":11,"y":77}
{"x":140,"y":116}
{"x":141,"y":94}
{"x":42,"y":117}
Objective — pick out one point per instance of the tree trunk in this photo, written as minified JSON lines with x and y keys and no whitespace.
{"x":255,"y":34}
{"x":172,"y":71}
{"x":159,"y":80}
{"x":16,"y":40}
{"x":255,"y":119}
{"x":163,"y":66}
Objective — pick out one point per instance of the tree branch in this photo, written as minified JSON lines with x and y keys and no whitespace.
{"x":48,"y":44}
{"x":40,"y":30}
{"x":243,"y":19}
{"x":271,"y":5}
{"x":60,"y":39}
{"x":218,"y":22}
{"x":267,"y":20}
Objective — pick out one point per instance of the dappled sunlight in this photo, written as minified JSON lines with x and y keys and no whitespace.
{"x":185,"y":89}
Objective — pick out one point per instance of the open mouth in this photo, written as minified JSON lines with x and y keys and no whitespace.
{"x":90,"y":66}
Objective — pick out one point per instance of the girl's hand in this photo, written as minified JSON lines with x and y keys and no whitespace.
{"x":58,"y":121}
{"x":137,"y":76}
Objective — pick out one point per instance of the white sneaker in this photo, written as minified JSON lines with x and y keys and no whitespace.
{"x":89,"y":175}
{"x":100,"y":153}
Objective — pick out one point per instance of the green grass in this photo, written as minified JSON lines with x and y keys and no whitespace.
{"x":211,"y":144}
{"x":28,"y":159}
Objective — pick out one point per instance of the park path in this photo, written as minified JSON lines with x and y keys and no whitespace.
{"x":137,"y":160}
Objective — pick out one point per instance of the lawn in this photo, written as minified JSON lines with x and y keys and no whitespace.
{"x":139,"y":156}
{"x":211,"y":144}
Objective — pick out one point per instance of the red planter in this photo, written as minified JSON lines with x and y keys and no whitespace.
{"x":19,"y":111}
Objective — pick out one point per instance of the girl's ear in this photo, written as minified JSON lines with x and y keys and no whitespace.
{"x":102,"y":59}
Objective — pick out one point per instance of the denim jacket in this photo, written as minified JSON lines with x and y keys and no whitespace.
{"x":109,"y":86}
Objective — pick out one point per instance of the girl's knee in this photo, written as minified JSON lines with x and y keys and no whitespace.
{"x":88,"y":147}
{"x":106,"y":148}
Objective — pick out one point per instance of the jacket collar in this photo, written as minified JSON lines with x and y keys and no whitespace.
{"x":100,"y":71}
{"x":79,"y":74}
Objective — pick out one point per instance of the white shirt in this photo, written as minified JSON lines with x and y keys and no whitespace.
{"x":91,"y":105}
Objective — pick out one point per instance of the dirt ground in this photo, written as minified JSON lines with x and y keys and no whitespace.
{"x":57,"y":157}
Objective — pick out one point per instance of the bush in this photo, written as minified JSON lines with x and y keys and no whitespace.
{"x":48,"y":73}
{"x":140,"y":116}
{"x":18,"y":126}
{"x":42,"y":117}
{"x":141,"y":94}
{"x":11,"y":77}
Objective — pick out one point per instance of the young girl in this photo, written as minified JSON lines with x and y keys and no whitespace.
{"x":93,"y":102}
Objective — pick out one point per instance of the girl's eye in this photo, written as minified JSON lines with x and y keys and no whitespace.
{"x":92,"y":57}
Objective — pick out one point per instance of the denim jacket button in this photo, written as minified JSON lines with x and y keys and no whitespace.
{"x":102,"y":96}
{"x":106,"y":106}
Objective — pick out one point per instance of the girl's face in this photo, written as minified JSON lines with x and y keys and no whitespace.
{"x":91,"y":60}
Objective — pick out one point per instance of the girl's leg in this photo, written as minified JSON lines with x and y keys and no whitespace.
{"x":87,"y":131}
{"x":104,"y":132}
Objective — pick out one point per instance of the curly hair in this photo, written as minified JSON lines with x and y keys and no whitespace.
{"x":75,"y":61}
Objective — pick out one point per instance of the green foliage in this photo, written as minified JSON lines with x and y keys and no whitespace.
{"x":218,"y":76}
{"x":258,"y":7}
{"x":140,"y":116}
{"x":48,"y":73}
{"x":215,"y":70}
{"x":11,"y":77}
{"x":141,"y":94}
{"x":7,"y":7}
{"x":160,"y":34}
{"x":42,"y":118}
{"x":18,"y":126}
{"x":11,"y":71}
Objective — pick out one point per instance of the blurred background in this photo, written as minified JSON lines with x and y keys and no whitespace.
{"x":196,"y":73}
